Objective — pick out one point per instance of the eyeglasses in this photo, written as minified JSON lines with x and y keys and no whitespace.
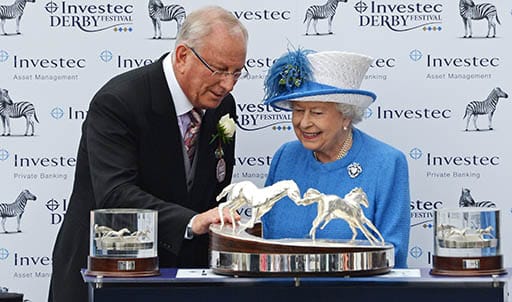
{"x":217,"y":73}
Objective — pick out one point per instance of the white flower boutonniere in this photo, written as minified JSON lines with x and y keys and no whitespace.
{"x":225,"y":129}
{"x":225,"y":133}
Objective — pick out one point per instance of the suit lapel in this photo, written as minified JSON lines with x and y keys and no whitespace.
{"x":165,"y":124}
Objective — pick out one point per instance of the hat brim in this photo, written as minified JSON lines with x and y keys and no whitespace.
{"x":323,"y":93}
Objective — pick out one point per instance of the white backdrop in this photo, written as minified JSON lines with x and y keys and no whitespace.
{"x":424,"y":75}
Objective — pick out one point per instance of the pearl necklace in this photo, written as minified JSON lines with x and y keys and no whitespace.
{"x":347,"y":144}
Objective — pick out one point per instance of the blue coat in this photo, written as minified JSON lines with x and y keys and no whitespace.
{"x":384,"y":178}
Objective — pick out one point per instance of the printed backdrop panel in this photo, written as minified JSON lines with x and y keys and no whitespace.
{"x":442,"y":99}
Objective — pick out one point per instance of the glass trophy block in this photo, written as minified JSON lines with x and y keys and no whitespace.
{"x":123,"y":242}
{"x":467,"y":242}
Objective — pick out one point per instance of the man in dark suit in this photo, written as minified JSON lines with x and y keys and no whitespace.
{"x":132,"y":152}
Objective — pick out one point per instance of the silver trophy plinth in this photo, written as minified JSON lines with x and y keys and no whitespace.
{"x":233,"y":251}
{"x":243,"y":254}
{"x":467,"y":242}
{"x":123,"y":243}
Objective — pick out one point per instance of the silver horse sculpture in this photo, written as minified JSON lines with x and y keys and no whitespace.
{"x":245,"y":193}
{"x":347,"y":208}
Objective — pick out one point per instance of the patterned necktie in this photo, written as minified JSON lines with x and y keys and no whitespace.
{"x":192,"y":132}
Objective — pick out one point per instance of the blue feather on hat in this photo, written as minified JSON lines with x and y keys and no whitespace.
{"x":288,"y":72}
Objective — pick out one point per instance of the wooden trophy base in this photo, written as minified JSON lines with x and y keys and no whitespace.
{"x":243,"y":254}
{"x":467,"y":266}
{"x":122,"y":267}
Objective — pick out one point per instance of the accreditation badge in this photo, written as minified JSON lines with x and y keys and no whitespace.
{"x":221,"y":170}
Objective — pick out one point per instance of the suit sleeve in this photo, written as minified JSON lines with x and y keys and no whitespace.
{"x":112,"y":144}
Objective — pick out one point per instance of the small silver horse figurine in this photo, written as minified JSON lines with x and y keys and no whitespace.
{"x":245,"y":193}
{"x":347,"y":208}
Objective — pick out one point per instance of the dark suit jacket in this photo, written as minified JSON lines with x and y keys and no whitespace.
{"x":131,"y":156}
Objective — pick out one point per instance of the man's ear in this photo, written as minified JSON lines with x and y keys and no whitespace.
{"x":181,"y":56}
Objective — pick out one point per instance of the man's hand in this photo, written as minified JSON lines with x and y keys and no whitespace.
{"x":201,"y":222}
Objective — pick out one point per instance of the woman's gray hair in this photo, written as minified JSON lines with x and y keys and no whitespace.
{"x":199,"y":24}
{"x":355,"y":113}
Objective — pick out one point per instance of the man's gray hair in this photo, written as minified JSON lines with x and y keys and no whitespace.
{"x":199,"y":24}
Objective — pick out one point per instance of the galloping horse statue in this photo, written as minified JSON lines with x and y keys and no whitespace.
{"x":245,"y":193}
{"x":347,"y":208}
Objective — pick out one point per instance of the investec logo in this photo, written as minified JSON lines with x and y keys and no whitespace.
{"x":469,"y":160}
{"x":400,"y":17}
{"x":123,"y":62}
{"x":90,"y":17}
{"x":45,"y":63}
{"x":262,"y":15}
{"x":43,"y":168}
{"x":424,"y":113}
{"x":257,"y":67}
{"x":254,"y":117}
{"x":31,"y":266}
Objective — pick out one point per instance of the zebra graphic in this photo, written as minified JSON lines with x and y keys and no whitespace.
{"x":316,"y":12}
{"x":9,"y":109}
{"x":15,"y":209}
{"x":158,"y":12}
{"x":470,"y":11}
{"x":487,"y":106}
{"x":13,"y":11}
{"x":466,"y":200}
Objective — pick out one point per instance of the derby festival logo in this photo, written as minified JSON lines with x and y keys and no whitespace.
{"x":469,"y":11}
{"x":57,"y":210}
{"x":158,"y":13}
{"x":400,"y":17}
{"x":485,"y":107}
{"x":422,"y":212}
{"x":13,"y":12}
{"x":91,"y":17}
{"x":321,"y":12}
{"x":254,"y":117}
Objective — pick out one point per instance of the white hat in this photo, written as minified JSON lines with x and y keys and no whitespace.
{"x":328,"y":76}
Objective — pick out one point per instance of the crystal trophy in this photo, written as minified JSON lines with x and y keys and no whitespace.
{"x":467,"y":242}
{"x":123,"y":243}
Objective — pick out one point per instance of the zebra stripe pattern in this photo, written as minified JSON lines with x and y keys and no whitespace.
{"x":485,"y":204}
{"x":478,"y":11}
{"x":8,"y":109}
{"x":487,"y":106}
{"x":168,"y":13}
{"x":158,"y":12}
{"x":15,"y":209}
{"x":466,"y":200}
{"x":14,"y":11}
{"x":17,"y":110}
{"x":326,"y":11}
{"x":470,"y":11}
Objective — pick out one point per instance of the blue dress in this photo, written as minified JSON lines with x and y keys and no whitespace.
{"x":384,"y":177}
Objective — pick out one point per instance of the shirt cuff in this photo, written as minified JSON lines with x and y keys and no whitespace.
{"x":188,"y":230}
